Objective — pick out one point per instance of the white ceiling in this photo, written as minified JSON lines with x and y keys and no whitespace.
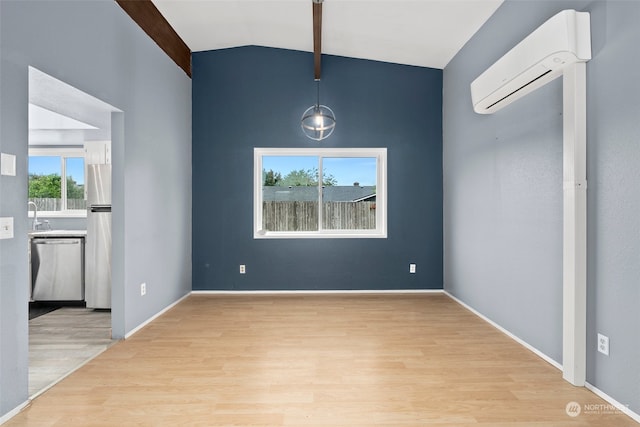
{"x":43,"y":119}
{"x":425,"y":33}
{"x":60,"y":114}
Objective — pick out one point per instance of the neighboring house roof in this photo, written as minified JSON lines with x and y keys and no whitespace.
{"x":333,"y":193}
{"x":369,"y":198}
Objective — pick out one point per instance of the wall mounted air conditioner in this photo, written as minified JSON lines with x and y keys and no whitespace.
{"x":563,"y":40}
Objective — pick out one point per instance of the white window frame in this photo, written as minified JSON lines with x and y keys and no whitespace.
{"x":381,"y":192}
{"x":63,"y":153}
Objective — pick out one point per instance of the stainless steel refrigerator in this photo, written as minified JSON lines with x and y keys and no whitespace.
{"x":98,"y":243}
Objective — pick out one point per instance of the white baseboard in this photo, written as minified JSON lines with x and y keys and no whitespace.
{"x":12,"y":413}
{"x":284,"y":292}
{"x":154,"y":317}
{"x":311,"y":292}
{"x":619,"y":406}
{"x":622,"y":408}
{"x":506,"y":332}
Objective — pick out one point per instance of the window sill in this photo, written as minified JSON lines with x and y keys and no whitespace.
{"x":318,"y":235}
{"x":53,"y":214}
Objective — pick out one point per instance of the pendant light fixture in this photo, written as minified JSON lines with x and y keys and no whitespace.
{"x":318,"y":121}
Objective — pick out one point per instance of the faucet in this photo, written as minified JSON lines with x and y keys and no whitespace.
{"x":36,"y":223}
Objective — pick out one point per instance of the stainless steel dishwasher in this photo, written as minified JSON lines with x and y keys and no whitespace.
{"x":57,"y":268}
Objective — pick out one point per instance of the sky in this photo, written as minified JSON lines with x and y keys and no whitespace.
{"x":346,"y":170}
{"x":45,"y":165}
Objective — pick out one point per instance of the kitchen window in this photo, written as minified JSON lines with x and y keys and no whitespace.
{"x":56,"y":181}
{"x":320,"y":193}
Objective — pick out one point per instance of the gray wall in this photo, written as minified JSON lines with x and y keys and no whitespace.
{"x":95,"y":47}
{"x":503,"y":192}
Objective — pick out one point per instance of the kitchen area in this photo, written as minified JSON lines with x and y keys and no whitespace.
{"x":75,"y":265}
{"x":69,"y":213}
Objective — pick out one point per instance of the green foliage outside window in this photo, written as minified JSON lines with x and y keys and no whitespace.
{"x":50,"y":186}
{"x":297,"y":178}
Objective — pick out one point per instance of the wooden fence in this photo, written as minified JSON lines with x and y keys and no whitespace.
{"x":303,"y":216}
{"x":51,"y":204}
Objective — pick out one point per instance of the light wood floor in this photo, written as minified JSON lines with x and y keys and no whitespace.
{"x":62,"y":340}
{"x":320,"y":360}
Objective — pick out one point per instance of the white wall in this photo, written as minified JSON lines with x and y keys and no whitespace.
{"x":97,"y":48}
{"x":503,"y":192}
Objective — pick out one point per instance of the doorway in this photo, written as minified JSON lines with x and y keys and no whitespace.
{"x":69,"y":132}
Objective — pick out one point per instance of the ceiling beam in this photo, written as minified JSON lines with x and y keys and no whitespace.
{"x":149,"y":18}
{"x":317,"y":37}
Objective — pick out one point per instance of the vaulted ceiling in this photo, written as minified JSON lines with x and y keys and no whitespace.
{"x":425,"y":33}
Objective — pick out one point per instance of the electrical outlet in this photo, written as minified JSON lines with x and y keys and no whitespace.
{"x":412,"y":268}
{"x":603,"y":344}
{"x":143,"y":289}
{"x":243,"y":269}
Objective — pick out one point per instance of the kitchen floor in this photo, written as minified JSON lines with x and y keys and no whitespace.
{"x":63,"y":340}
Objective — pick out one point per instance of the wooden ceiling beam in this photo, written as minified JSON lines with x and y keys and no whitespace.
{"x":317,"y":37}
{"x":149,"y":18}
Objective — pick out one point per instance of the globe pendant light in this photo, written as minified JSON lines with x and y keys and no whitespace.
{"x":318,"y":121}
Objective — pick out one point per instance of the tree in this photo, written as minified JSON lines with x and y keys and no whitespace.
{"x":306,"y":178}
{"x":328,"y":180}
{"x":50,"y":187}
{"x":74,"y":190}
{"x":45,"y":186}
{"x":300,"y":178}
{"x":271,"y":178}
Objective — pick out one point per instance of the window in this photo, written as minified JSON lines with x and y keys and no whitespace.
{"x":320,"y":192}
{"x":53,"y":195}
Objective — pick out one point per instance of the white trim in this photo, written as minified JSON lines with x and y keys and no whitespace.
{"x":506,"y":332}
{"x":155,"y":316}
{"x":318,"y":151}
{"x":76,"y":213}
{"x":324,"y":234}
{"x":15,"y":411}
{"x":57,"y":151}
{"x":325,"y":292}
{"x":574,"y":224}
{"x":623,"y":408}
{"x":380,"y":153}
{"x":320,"y":195}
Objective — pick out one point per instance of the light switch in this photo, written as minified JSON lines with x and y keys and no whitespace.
{"x":8,"y":164}
{"x":6,"y":228}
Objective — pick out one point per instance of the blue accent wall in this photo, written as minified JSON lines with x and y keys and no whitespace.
{"x":254,"y":97}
